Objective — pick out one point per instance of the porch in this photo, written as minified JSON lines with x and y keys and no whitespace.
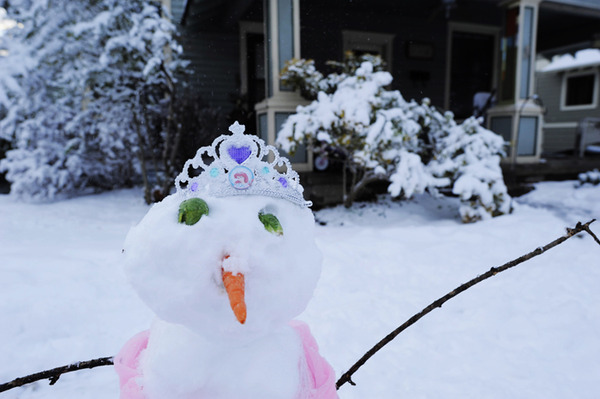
{"x":324,"y":188}
{"x":449,"y":51}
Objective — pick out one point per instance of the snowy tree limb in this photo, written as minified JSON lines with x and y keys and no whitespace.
{"x":347,"y":376}
{"x":54,"y":374}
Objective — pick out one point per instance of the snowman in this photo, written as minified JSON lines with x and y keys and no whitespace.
{"x":226,"y":263}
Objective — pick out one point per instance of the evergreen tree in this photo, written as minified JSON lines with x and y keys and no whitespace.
{"x":86,"y":83}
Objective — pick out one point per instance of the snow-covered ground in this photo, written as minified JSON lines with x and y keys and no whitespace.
{"x":530,"y":332}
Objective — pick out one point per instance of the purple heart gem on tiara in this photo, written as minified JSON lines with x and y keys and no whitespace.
{"x":239,"y":154}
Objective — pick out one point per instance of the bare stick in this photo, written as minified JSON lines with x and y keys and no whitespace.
{"x":590,"y":232}
{"x":347,"y":376}
{"x":54,"y":374}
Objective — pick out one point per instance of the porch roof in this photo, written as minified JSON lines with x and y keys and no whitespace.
{"x":587,"y":4}
{"x":581,"y":59}
{"x":230,"y":11}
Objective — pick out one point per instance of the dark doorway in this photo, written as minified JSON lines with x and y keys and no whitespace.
{"x":254,"y":80}
{"x":472,"y":70}
{"x":256,"y":67}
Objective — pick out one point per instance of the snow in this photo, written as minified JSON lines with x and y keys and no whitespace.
{"x":5,"y":23}
{"x":581,"y":59}
{"x":528,"y":332}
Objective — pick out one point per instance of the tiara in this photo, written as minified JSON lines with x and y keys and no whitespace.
{"x":242,"y":164}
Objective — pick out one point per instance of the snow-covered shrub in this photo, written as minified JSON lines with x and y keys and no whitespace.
{"x":470,"y":156}
{"x":84,"y":84}
{"x":303,"y":75}
{"x":590,"y":177}
{"x":384,"y":137}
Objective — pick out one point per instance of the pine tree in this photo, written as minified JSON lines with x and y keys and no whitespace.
{"x":87,"y":81}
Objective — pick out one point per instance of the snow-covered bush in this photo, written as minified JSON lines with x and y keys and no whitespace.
{"x":384,"y":137}
{"x":84,"y":85}
{"x":590,"y":177}
{"x":303,"y":75}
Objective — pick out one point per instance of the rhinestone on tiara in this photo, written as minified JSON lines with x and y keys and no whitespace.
{"x":242,"y":164}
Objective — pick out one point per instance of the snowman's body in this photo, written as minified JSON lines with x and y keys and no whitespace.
{"x":252,"y":224}
{"x":268,"y":365}
{"x":269,"y":368}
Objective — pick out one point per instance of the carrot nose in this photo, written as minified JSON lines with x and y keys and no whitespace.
{"x":234,"y":285}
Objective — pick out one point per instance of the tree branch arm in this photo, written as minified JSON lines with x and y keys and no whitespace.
{"x":54,"y":374}
{"x":347,"y":376}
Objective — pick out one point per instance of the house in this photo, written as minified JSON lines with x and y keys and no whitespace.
{"x":569,"y":84}
{"x":459,"y":53}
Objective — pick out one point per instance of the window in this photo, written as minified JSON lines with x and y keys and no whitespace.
{"x":301,"y":153}
{"x":527,"y":136}
{"x":369,"y":43}
{"x":508,"y":64}
{"x":579,"y":90}
{"x":502,"y":125}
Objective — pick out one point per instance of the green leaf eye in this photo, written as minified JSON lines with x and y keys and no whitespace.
{"x":271,"y":223}
{"x":191,"y":210}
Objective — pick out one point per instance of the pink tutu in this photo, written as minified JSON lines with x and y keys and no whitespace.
{"x":320,"y":383}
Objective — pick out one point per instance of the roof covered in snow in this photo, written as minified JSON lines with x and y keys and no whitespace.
{"x":582,"y":58}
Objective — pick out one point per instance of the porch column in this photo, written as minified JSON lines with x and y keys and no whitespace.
{"x":282,"y":43}
{"x":518,"y":117}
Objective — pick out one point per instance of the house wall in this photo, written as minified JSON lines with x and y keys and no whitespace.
{"x":322,"y":23}
{"x":321,"y":39}
{"x":560,"y":126}
{"x":549,"y":89}
{"x":559,"y":139}
{"x":211,"y":41}
{"x":214,"y":64}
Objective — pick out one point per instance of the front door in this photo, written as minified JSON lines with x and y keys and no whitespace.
{"x":471,"y":71}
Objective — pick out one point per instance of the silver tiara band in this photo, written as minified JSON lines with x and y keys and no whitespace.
{"x":240,"y":166}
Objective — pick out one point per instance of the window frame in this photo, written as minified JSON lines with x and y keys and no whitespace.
{"x":370,"y":41}
{"x":246,"y":28}
{"x":563,"y":90}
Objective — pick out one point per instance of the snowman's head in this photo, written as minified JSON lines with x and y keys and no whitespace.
{"x":233,"y":249}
